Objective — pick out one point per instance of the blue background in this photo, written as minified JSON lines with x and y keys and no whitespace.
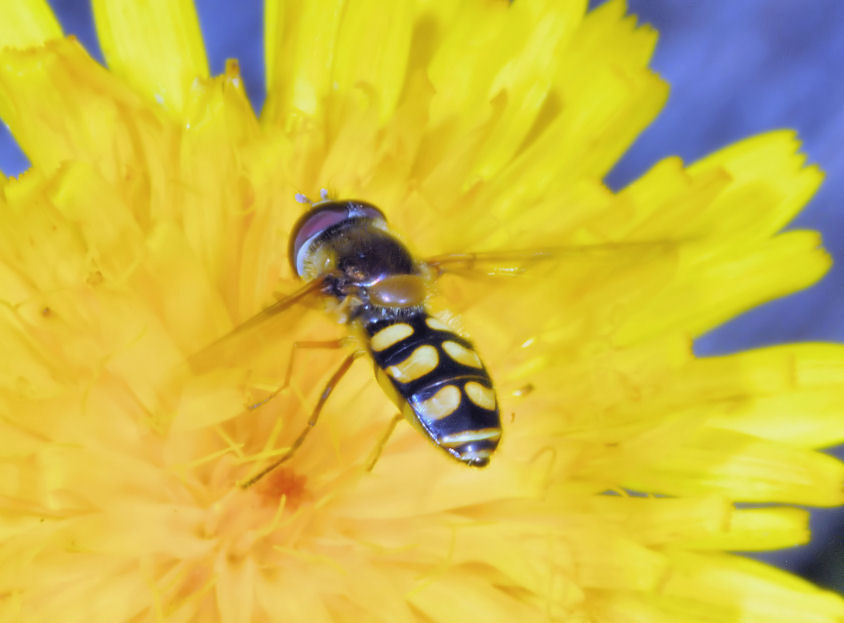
{"x":736,"y":69}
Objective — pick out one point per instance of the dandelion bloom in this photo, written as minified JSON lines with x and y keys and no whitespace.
{"x":155,"y":219}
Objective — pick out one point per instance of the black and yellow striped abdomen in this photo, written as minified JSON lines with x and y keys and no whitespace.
{"x":440,"y":383}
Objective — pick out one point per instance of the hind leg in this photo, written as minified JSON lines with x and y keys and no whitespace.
{"x":326,"y":392}
{"x":297,"y":346}
{"x":379,"y":447}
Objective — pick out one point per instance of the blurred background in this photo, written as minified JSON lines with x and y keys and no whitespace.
{"x":735,"y":69}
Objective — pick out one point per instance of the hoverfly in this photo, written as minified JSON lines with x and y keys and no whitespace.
{"x":343,"y":250}
{"x":345,"y":253}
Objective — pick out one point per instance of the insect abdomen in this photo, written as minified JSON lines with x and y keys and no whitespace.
{"x":440,"y":383}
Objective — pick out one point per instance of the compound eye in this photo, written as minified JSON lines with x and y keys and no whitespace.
{"x":311,"y":225}
{"x":324,"y":215}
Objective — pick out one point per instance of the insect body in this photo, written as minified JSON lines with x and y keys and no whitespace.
{"x":345,"y":252}
{"x":434,"y":375}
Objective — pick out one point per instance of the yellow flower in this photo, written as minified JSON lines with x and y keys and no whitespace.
{"x":155,"y":218}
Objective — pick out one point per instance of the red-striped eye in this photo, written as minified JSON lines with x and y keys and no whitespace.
{"x":321,"y":217}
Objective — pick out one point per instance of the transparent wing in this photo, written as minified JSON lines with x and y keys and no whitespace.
{"x":243,"y":368}
{"x":276,"y":321}
{"x":498,"y":290}
{"x":510,"y":263}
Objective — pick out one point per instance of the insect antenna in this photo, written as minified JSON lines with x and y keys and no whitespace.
{"x":302,"y":198}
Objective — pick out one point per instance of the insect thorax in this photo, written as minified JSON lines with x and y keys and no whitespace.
{"x":368,"y":271}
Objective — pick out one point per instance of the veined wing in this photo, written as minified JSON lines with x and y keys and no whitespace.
{"x":498,"y":290}
{"x":510,"y":263}
{"x":248,"y":364}
{"x":256,"y":331}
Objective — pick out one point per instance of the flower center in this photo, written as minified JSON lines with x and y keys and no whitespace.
{"x":283,"y":482}
{"x":260,"y":517}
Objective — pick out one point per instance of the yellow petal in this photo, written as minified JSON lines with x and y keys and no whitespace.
{"x":742,"y":589}
{"x":743,"y":467}
{"x":702,"y":523}
{"x":60,"y":104}
{"x":372,"y":51}
{"x":790,"y":394}
{"x":27,"y":23}
{"x":217,"y":113}
{"x":711,"y":287}
{"x":329,"y":50}
{"x":769,"y":179}
{"x":299,"y":46}
{"x":580,"y":102}
{"x":752,"y":189}
{"x":155,"y":46}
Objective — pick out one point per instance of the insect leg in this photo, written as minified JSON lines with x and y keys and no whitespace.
{"x":376,"y":452}
{"x":326,"y":392}
{"x":304,"y":344}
